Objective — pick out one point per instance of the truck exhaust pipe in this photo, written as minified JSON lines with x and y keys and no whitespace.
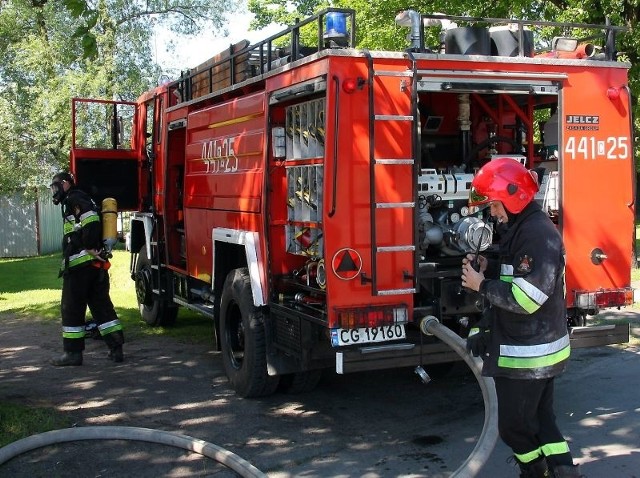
{"x":430,"y":325}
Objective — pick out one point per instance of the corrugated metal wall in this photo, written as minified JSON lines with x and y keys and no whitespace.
{"x":50,"y":224}
{"x":29,"y":228}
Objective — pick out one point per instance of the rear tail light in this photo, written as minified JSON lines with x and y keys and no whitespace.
{"x":372,"y":316}
{"x":604,"y":298}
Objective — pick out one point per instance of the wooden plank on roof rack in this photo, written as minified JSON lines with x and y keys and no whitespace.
{"x":221,"y":74}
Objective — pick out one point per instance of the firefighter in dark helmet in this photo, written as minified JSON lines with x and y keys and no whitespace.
{"x":524,"y":342}
{"x":85,"y":278}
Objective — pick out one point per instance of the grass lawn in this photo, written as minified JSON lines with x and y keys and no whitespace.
{"x":30,"y":287}
{"x":19,"y":421}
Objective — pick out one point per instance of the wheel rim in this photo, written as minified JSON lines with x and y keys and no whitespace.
{"x":235,"y":335}
{"x":143,"y":287}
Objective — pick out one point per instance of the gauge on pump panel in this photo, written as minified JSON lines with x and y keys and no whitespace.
{"x":464,"y":211}
{"x":455,"y":217}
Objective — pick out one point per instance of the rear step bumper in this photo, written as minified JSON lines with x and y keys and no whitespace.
{"x":406,"y":354}
{"x":393,"y":355}
{"x":597,"y":335}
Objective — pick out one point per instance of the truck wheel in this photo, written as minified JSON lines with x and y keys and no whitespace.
{"x":243,"y":340}
{"x":154,"y":310}
{"x":300,"y":382}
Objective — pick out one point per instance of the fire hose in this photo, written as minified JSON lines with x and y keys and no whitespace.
{"x":222,"y":456}
{"x":430,"y":325}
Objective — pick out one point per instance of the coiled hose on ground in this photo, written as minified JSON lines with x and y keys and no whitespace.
{"x":225,"y":457}
{"x":487,"y":441}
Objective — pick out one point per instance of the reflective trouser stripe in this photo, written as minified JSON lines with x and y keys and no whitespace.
{"x":109,"y":327}
{"x":529,"y":457}
{"x":73,"y":332}
{"x":555,"y":448}
{"x":549,"y":449}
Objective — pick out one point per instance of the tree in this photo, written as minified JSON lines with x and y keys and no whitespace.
{"x":97,"y":49}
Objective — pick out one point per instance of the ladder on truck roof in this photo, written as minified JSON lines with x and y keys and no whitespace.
{"x":403,"y":238}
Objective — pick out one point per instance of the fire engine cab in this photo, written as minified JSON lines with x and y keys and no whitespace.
{"x":312,"y":198}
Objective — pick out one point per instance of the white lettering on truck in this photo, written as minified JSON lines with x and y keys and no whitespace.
{"x":586,"y":147}
{"x":219,"y":155}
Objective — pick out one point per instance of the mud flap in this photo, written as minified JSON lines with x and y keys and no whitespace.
{"x":597,"y":335}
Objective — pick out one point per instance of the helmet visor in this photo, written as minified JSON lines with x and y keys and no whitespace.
{"x":476,"y":197}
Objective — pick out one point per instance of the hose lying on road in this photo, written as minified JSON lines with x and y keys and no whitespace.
{"x":480,"y":454}
{"x":225,"y":457}
{"x":428,"y":325}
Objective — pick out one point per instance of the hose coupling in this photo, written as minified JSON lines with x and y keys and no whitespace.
{"x":422,"y":373}
{"x":426,"y":323}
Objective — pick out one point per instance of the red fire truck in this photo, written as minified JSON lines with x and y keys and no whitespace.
{"x":313,"y":199}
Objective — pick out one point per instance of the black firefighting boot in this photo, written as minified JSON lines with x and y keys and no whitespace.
{"x":114,"y":341}
{"x":67,"y":358}
{"x":537,"y":468}
{"x":567,"y":471}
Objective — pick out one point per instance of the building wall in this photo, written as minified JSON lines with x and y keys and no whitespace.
{"x":29,"y":227}
{"x":50,"y":224}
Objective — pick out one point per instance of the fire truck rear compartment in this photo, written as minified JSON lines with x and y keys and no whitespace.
{"x":335,"y":182}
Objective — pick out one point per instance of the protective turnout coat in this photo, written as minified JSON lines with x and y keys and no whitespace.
{"x":82,"y":229}
{"x":526,"y":290}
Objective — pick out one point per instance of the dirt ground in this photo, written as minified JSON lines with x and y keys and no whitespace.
{"x":378,"y":424}
{"x":161,"y":385}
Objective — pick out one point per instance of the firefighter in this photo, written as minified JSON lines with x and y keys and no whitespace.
{"x":523,"y":340}
{"x":85,"y":280}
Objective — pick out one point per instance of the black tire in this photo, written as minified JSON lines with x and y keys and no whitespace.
{"x":154,"y":310}
{"x":243,"y":340}
{"x":300,"y":382}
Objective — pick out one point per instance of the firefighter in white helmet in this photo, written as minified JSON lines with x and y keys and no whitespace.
{"x":85,"y":280}
{"x":523,"y":340}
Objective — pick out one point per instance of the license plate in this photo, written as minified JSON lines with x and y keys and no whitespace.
{"x":366,"y":335}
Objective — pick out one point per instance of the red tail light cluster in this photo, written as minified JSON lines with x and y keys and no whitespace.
{"x":604,"y":298}
{"x":354,"y":318}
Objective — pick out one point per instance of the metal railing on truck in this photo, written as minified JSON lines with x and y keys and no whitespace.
{"x":242,"y":62}
{"x":417,"y":22}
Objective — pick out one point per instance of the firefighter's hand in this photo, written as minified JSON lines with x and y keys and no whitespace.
{"x":481,"y":261}
{"x":478,"y":341}
{"x":471,"y":279}
{"x":95,"y":253}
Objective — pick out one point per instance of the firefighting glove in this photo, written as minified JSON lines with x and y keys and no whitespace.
{"x":478,"y":341}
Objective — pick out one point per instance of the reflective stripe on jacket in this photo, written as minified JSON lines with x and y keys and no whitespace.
{"x":82,"y":229}
{"x":526,"y":290}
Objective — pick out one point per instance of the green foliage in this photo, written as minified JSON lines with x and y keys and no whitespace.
{"x":50,"y":54}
